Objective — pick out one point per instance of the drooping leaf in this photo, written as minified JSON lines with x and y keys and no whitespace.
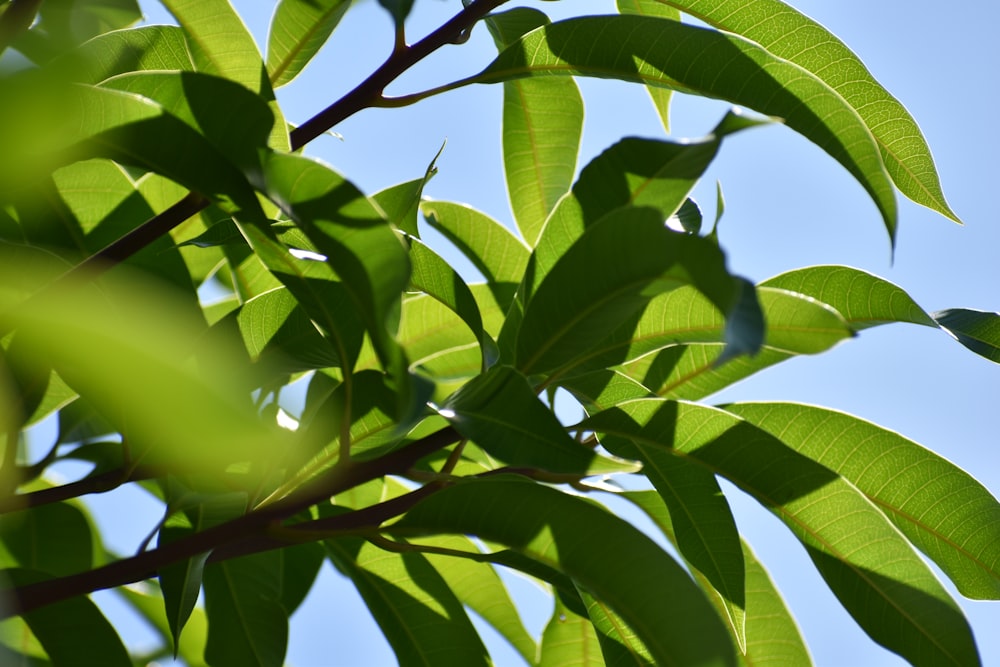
{"x":627,"y":570}
{"x":940,"y":508}
{"x":784,"y":32}
{"x":150,"y":607}
{"x":975,"y":329}
{"x":660,"y":96}
{"x":499,"y":411}
{"x":413,"y":604}
{"x":715,"y":64}
{"x":867,"y":563}
{"x":298,"y":30}
{"x":542,"y":126}
{"x":771,"y":633}
{"x":247,"y":625}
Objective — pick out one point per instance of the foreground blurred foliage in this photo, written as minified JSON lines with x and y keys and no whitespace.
{"x":141,"y":164}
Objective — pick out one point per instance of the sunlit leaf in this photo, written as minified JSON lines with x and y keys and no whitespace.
{"x":787,"y":34}
{"x":711,"y":63}
{"x":660,"y":96}
{"x":626,"y":570}
{"x":298,"y":30}
{"x":542,"y":126}
{"x":940,"y":508}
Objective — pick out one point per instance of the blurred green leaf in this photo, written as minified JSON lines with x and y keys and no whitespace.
{"x":569,"y":639}
{"x":54,"y":538}
{"x":298,"y":30}
{"x":975,"y":329}
{"x":629,"y":572}
{"x":712,"y":64}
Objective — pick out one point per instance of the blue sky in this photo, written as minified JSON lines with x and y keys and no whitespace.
{"x":788,"y":205}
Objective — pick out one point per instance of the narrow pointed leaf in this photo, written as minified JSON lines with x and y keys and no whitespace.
{"x":783,"y":31}
{"x":247,"y":626}
{"x":150,"y":607}
{"x":619,"y":643}
{"x":865,"y":300}
{"x":636,"y":578}
{"x":975,"y":329}
{"x":940,"y":508}
{"x":298,"y":30}
{"x":865,"y":560}
{"x":413,"y":604}
{"x":714,"y":64}
{"x":660,"y":96}
{"x":771,"y":633}
{"x":499,"y":411}
{"x":542,"y":126}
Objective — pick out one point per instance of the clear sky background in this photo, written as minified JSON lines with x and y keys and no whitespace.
{"x":788,"y":205}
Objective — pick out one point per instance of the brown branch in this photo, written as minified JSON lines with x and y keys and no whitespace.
{"x":99,"y":483}
{"x":24,"y":599}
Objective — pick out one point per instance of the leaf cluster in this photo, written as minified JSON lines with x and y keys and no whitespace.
{"x":145,"y":165}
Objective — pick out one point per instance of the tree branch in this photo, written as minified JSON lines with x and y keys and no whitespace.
{"x":24,"y":599}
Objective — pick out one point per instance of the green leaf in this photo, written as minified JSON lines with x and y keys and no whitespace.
{"x":771,"y":633}
{"x":863,"y":299}
{"x":247,"y":626}
{"x":975,"y":329}
{"x":713,"y":64}
{"x":660,"y":96}
{"x":433,"y":276}
{"x":298,"y":30}
{"x":569,"y":639}
{"x":64,"y":627}
{"x":619,"y":643}
{"x":151,"y":47}
{"x":644,"y":173}
{"x":150,"y":607}
{"x":478,"y":586}
{"x":576,"y":307}
{"x":55,"y":539}
{"x":413,"y":604}
{"x":941,"y":509}
{"x":345,"y":227}
{"x":868,"y":564}
{"x":399,"y":9}
{"x":783,"y":31}
{"x":220,"y":42}
{"x":300,"y":565}
{"x":626,"y":570}
{"x":499,"y":255}
{"x":499,"y":412}
{"x":401,"y":202}
{"x":703,"y":526}
{"x":542,"y":126}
